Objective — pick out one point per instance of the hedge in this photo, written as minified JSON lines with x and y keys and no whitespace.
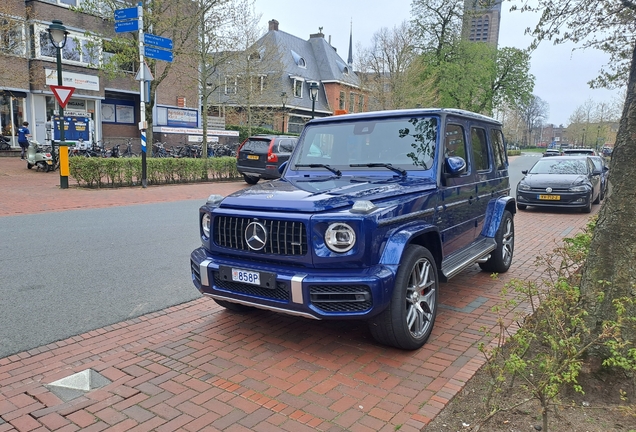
{"x":116,"y":172}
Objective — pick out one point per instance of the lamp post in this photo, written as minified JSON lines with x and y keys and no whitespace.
{"x":283,"y":97}
{"x":313,"y":92}
{"x":58,"y":35}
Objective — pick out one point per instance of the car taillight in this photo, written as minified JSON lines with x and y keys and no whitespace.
{"x":271,"y":156}
{"x":238,"y":150}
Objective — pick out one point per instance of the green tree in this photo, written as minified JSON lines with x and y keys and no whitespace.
{"x":475,"y":76}
{"x":609,"y":273}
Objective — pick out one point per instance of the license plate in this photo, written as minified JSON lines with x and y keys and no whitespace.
{"x":49,"y":162}
{"x":253,"y":157}
{"x":549,"y":197}
{"x":246,"y":276}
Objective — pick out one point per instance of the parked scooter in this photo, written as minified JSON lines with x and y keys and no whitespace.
{"x":38,"y":157}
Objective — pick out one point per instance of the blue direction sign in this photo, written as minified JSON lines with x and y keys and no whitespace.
{"x":158,"y":54}
{"x":124,"y":14}
{"x":126,"y":26}
{"x":158,"y":41}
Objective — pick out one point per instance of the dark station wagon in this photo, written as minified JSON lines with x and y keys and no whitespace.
{"x":260,"y":156}
{"x":371,"y":213}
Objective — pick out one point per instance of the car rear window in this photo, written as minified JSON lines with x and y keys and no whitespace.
{"x":256,"y":145}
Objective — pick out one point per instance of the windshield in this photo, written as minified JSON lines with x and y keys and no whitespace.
{"x":407,"y":143}
{"x":562,"y":166}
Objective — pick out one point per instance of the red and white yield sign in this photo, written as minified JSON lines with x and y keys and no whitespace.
{"x":62,"y":94}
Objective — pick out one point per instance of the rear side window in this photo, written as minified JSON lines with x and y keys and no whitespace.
{"x":286,"y":145}
{"x":255,"y":145}
{"x":498,"y":149}
{"x":479,"y":149}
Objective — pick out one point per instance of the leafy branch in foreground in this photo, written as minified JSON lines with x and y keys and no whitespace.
{"x":547,"y":351}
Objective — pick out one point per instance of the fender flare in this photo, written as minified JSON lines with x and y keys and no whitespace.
{"x":402,"y":237}
{"x":494,"y":214}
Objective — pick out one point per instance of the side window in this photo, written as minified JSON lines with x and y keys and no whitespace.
{"x":286,"y":146}
{"x":496,"y":138}
{"x":479,"y":149}
{"x":454,"y":143}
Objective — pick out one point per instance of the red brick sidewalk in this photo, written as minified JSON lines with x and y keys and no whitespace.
{"x":198,"y":367}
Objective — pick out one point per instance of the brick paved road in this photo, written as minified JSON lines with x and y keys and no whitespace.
{"x":198,"y":367}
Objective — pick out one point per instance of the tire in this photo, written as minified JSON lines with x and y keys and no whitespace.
{"x":501,"y":258}
{"x":250,"y":179}
{"x":598,"y":198}
{"x":29,"y":166}
{"x":234,"y":307}
{"x":408,"y":321}
{"x":588,"y":207}
{"x":602,"y":194}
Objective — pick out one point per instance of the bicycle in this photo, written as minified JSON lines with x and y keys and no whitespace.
{"x":128,"y":152}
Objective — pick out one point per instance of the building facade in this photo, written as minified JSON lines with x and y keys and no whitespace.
{"x":481,"y":23}
{"x":275,"y":77}
{"x":104,"y":106}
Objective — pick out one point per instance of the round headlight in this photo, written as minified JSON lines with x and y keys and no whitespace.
{"x":340,"y":237}
{"x":205,"y":224}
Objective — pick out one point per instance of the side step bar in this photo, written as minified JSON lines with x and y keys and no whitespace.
{"x":457,"y":262}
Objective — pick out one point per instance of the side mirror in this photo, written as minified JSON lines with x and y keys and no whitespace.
{"x":524,"y":172}
{"x":455,"y":165}
{"x":282,"y":167}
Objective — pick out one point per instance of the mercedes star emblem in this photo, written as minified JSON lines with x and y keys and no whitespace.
{"x":256,"y":236}
{"x":548,"y":190}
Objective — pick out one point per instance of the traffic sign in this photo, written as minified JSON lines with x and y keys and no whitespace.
{"x":124,"y":14}
{"x":144,"y":74}
{"x":62,"y":94}
{"x":126,"y":26}
{"x":158,"y":54}
{"x":158,"y":41}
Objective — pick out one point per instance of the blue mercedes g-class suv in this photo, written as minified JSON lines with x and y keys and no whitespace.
{"x":371,"y":213}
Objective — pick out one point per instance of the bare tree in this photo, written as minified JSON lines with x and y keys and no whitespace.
{"x":534,"y":112}
{"x":387,"y":67}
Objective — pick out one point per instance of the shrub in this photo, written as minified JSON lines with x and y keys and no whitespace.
{"x":118,"y":172}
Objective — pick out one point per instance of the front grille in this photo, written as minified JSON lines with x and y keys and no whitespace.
{"x":196,"y":272}
{"x":281,"y":292}
{"x":283,"y":237}
{"x":341,"y":298}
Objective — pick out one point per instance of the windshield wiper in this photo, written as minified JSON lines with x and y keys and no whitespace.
{"x":330,"y":168}
{"x":398,"y":170}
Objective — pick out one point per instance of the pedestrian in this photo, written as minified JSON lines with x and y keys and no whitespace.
{"x":23,"y":138}
{"x":48,"y":127}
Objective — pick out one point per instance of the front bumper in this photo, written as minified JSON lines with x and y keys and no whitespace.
{"x":565,"y":199}
{"x":300,"y":291}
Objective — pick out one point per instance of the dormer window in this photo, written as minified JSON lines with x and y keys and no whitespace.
{"x":298,"y":59}
{"x":343,"y":67}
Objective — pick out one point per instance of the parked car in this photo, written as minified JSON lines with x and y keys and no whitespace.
{"x":599,"y":164}
{"x":562,"y":181}
{"x":552,"y":152}
{"x":372,"y":212}
{"x":260,"y":156}
{"x":578,"y":151}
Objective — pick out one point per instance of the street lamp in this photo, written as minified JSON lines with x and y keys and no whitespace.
{"x":58,"y":35}
{"x":283,"y":96}
{"x":313,"y":92}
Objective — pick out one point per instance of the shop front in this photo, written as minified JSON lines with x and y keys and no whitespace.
{"x":12,"y":114}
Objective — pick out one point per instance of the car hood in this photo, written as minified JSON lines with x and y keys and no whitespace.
{"x":322,"y":194}
{"x":555,"y":181}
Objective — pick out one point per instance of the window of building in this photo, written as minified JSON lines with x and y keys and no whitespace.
{"x":352,"y":98}
{"x":113,"y":55}
{"x":12,"y":39}
{"x":231,"y":84}
{"x":298,"y":59}
{"x":79,"y":49}
{"x":64,"y":2}
{"x":341,"y":103}
{"x":298,"y":87}
{"x":360,"y":103}
{"x":12,"y":113}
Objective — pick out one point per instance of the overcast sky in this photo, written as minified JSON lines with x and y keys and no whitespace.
{"x":561,"y":75}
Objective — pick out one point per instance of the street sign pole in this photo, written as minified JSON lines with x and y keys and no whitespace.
{"x":142,"y":99}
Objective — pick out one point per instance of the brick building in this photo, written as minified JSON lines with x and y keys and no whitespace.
{"x":110,"y":103}
{"x":283,"y":68}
